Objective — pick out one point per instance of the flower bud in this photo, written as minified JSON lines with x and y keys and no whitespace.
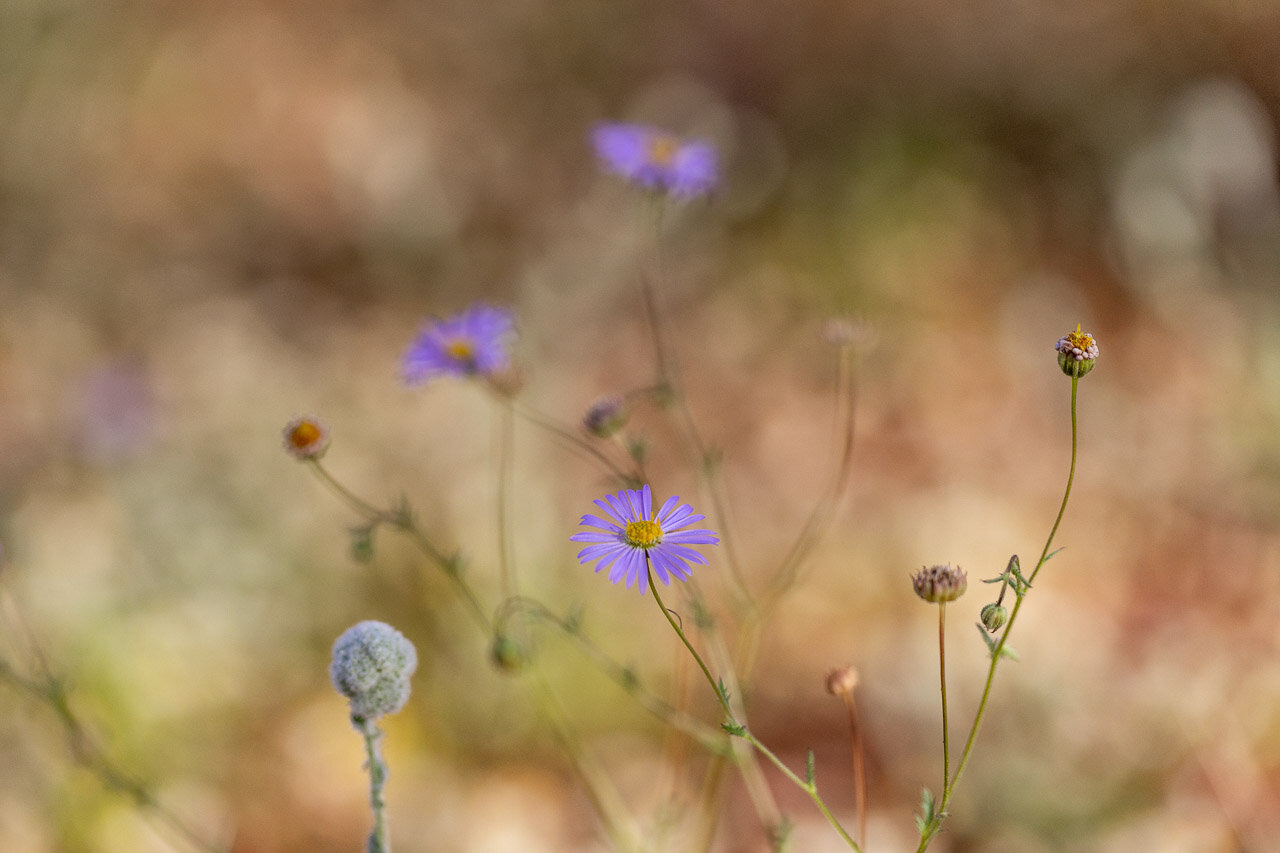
{"x":507,"y":653}
{"x":842,"y":680}
{"x":371,"y":666}
{"x":940,"y":584}
{"x":994,"y":616}
{"x":606,"y":416}
{"x":306,"y":437}
{"x":1077,"y":352}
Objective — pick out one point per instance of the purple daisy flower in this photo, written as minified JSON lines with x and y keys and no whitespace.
{"x":473,"y":343}
{"x":633,"y":537}
{"x":657,"y":160}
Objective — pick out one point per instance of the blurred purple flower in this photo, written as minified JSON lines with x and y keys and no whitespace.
{"x":657,"y":160}
{"x":473,"y":343}
{"x":632,"y":537}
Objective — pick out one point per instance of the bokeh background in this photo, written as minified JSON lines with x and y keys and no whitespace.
{"x":216,"y":216}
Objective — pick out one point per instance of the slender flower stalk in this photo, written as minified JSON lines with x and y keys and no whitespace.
{"x":942,"y":678}
{"x":1077,"y":353}
{"x":842,"y":682}
{"x":736,"y":728}
{"x":379,"y":837}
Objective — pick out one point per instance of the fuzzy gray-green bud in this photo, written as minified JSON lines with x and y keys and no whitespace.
{"x":993,"y":617}
{"x":371,"y":666}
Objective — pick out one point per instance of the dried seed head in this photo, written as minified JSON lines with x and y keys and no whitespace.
{"x":940,"y":584}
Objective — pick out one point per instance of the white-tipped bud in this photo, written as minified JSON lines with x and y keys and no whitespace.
{"x":371,"y":666}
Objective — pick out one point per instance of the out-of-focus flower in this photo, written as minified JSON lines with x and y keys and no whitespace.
{"x":606,"y":416}
{"x":1077,"y":352}
{"x":847,"y":332}
{"x":657,"y":160}
{"x":116,"y":411}
{"x":472,"y":343}
{"x":306,"y":437}
{"x":371,"y":666}
{"x":632,"y":538}
{"x":842,"y":680}
{"x":940,"y":584}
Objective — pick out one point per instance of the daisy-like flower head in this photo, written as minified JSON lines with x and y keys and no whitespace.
{"x":631,"y":537}
{"x":657,"y":160}
{"x":1077,"y":352}
{"x":306,"y":437}
{"x":473,"y":343}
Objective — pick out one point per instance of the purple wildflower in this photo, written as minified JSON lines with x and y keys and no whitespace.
{"x":473,"y":343}
{"x":657,"y":160}
{"x":632,"y":538}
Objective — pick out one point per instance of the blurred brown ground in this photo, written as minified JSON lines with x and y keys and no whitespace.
{"x":215,"y":216}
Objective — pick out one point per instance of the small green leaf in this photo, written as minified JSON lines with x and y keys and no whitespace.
{"x":362,"y":543}
{"x":810,"y":772}
{"x":735,"y":729}
{"x":987,"y":638}
{"x":925,"y":818}
{"x":1006,"y":651}
{"x":1051,"y":554}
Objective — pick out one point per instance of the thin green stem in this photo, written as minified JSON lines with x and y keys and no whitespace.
{"x":506,"y":460}
{"x":997,"y":652}
{"x":667,"y":367}
{"x":710,"y":739}
{"x":737,"y":728}
{"x":604,"y":796}
{"x":577,"y":442}
{"x":403,"y":521}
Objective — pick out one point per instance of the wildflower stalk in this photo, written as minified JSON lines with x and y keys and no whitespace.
{"x":735,"y":727}
{"x":669,"y":378}
{"x":402,"y":519}
{"x":506,"y":461}
{"x":87,"y":754}
{"x":933,"y":827}
{"x":579,"y":444}
{"x":942,"y":678}
{"x":624,"y":677}
{"x":379,"y":838}
{"x":605,"y":799}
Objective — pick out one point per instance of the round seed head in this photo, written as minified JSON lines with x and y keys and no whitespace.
{"x":940,"y":584}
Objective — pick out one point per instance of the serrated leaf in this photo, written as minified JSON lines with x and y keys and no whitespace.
{"x":735,"y":729}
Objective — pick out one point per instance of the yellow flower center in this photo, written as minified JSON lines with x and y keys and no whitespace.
{"x":462,"y":350}
{"x":304,"y":435}
{"x":643,"y":534}
{"x":663,"y":148}
{"x":1079,"y":339}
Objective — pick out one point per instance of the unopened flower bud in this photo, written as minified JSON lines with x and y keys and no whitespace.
{"x":1077,"y":352}
{"x":842,"y":680}
{"x":940,"y":584}
{"x":606,"y":416}
{"x":306,"y":437}
{"x":507,"y":653}
{"x":371,"y":666}
{"x":994,"y":616}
